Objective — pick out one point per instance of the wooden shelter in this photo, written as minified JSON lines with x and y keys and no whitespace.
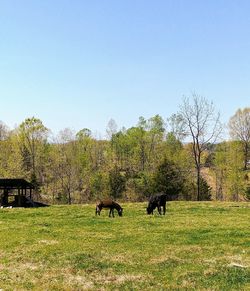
{"x":15,"y":192}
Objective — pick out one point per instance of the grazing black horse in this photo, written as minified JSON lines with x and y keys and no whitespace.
{"x":157,"y":200}
{"x":108,"y":203}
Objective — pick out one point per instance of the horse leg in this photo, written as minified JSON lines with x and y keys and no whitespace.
{"x":111,"y":211}
{"x":164,"y":209}
{"x":159,"y":209}
{"x":153,"y":210}
{"x":97,"y":210}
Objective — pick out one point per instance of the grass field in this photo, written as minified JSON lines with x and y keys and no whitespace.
{"x":196,"y":246}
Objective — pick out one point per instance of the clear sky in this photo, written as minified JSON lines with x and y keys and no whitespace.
{"x":79,"y":63}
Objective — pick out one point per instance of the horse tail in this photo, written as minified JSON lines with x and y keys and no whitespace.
{"x":97,"y":210}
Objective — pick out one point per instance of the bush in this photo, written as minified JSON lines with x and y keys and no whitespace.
{"x":247,"y":193}
{"x":168,"y":179}
{"x":117,"y":182}
{"x":205,"y":190}
{"x":141,"y":184}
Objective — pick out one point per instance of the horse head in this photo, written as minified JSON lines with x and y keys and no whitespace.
{"x":120,"y":211}
{"x":149,"y":209}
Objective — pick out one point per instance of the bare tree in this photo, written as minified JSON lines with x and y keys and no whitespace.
{"x":111,"y":128}
{"x":239,"y":126}
{"x":3,"y":131}
{"x":177,"y":126}
{"x":66,"y":164}
{"x":203,"y":125}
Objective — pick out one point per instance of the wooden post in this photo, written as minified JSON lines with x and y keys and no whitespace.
{"x":19,"y":198}
{"x":5,"y":197}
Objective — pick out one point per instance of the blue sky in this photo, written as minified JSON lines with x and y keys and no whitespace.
{"x":79,"y":63}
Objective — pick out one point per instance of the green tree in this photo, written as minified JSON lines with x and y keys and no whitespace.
{"x":140,"y":137}
{"x":168,"y":179}
{"x":156,"y":131}
{"x":117,"y":182}
{"x":235,"y":174}
{"x":206,"y":190}
{"x":228,"y":170}
{"x":10,"y":158}
{"x":248,"y":192}
{"x":32,"y":140}
{"x":173,"y":148}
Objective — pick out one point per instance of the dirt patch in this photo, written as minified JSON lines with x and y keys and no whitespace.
{"x":119,"y":258}
{"x":78,"y":280}
{"x":29,"y":266}
{"x":237,"y":265}
{"x":120,"y":279}
{"x":239,"y":262}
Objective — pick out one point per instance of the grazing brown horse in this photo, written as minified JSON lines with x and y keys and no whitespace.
{"x":108,"y":203}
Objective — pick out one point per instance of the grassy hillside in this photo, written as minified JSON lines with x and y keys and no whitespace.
{"x":196,"y":246}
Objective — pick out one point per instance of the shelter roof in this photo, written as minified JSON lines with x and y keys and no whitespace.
{"x":15,"y":184}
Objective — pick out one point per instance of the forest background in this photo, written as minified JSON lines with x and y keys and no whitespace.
{"x":184,"y":156}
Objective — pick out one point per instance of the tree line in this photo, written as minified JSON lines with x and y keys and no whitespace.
{"x":184,"y":156}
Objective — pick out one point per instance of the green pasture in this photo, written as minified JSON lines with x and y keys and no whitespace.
{"x":195,"y":246}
